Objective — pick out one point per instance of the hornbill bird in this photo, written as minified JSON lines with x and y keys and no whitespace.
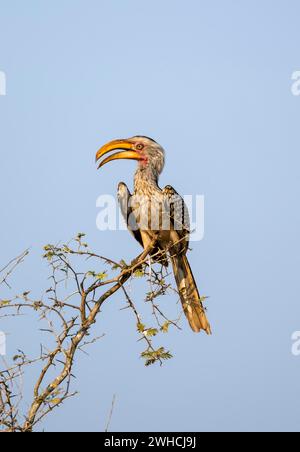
{"x":158,"y":216}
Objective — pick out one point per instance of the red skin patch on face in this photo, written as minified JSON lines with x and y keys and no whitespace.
{"x":144,"y":161}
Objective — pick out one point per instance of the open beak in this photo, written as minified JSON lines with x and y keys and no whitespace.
{"x":126,"y":148}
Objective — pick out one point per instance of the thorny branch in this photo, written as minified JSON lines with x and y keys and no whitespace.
{"x":7,"y":271}
{"x":69,"y":319}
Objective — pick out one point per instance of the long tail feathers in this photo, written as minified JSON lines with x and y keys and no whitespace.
{"x":189,"y":295}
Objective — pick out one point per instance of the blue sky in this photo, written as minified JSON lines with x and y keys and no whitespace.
{"x":211,"y":81}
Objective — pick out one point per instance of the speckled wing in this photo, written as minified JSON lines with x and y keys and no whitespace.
{"x":186,"y":284}
{"x":179,"y":214}
{"x":124,"y":197}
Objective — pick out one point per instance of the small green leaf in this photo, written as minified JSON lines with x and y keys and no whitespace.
{"x":55,"y":401}
{"x":151,"y":332}
{"x":17,"y":357}
{"x":37,"y":305}
{"x":140,"y":327}
{"x":92,"y":274}
{"x":49,"y":256}
{"x":152,"y":357}
{"x":139,"y":273}
{"x":203,"y":299}
{"x":4,"y":302}
{"x":165,"y":327}
{"x":102,"y":276}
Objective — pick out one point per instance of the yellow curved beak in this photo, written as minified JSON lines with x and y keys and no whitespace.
{"x":125,"y":146}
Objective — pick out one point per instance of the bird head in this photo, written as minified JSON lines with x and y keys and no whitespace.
{"x":146,"y":151}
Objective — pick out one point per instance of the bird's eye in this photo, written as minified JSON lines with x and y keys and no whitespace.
{"x":140,"y":147}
